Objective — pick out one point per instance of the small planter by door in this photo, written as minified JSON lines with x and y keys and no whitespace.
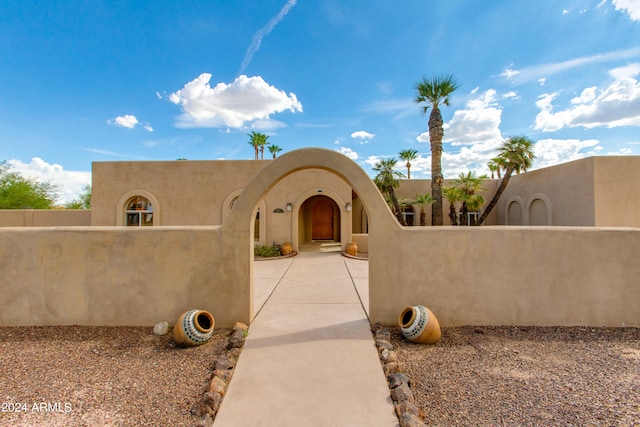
{"x":352,"y":248}
{"x":419,"y":325}
{"x":286,"y":248}
{"x":193,"y":327}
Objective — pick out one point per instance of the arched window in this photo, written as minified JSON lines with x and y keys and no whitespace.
{"x":139,"y":212}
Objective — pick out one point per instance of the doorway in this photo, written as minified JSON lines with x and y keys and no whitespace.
{"x":322,"y":220}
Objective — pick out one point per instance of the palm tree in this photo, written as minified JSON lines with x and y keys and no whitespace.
{"x":274,"y":149}
{"x":469,"y":185}
{"x":453,"y":196}
{"x":387,"y":179}
{"x":494,"y":167}
{"x":422,"y":200}
{"x":433,"y":92}
{"x":516,"y":154}
{"x":407,"y":156}
{"x":256,"y":139}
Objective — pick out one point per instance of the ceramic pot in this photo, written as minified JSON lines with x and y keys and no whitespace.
{"x":194,"y":327}
{"x":352,"y":248}
{"x":286,"y":248}
{"x":419,"y":325}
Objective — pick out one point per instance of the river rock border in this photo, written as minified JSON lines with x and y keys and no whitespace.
{"x":222,"y":371}
{"x":399,"y":383}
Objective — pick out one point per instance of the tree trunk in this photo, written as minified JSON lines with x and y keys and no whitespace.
{"x":396,"y":205}
{"x":453,"y":215}
{"x":435,"y":137}
{"x":408,"y":170}
{"x":496,"y":197}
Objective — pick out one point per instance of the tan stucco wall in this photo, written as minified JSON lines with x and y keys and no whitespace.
{"x":119,"y":276}
{"x":44,"y":217}
{"x":188,"y":192}
{"x":617,"y":182}
{"x":466,"y":275}
{"x":568,"y":189}
{"x":508,"y":275}
{"x":410,"y":187}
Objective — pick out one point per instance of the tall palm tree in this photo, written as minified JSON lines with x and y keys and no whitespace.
{"x":256,"y":140}
{"x":263,"y":143}
{"x":422,"y":200}
{"x":516,"y":154}
{"x":387,"y":179}
{"x":274,"y":149}
{"x":407,"y":156}
{"x":433,"y":92}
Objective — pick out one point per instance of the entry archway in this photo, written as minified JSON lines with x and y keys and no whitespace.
{"x":236,"y":231}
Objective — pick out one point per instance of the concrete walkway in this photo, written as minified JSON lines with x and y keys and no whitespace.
{"x":309,"y":358}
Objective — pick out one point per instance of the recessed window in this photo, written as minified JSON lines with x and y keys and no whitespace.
{"x":408,"y":214}
{"x":139,"y":212}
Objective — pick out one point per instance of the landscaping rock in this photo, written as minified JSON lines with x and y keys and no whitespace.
{"x":234,"y":354}
{"x":208,"y":404}
{"x":383,"y":334}
{"x":391,"y":368}
{"x":240,"y":326}
{"x":161,"y":328}
{"x":223,"y":374}
{"x":237,"y":339}
{"x":218,"y":385}
{"x":406,"y":407}
{"x":410,"y":420}
{"x":206,"y":421}
{"x":387,"y":356}
{"x":396,"y":380}
{"x":222,"y":363}
{"x":402,"y":393}
{"x":382,"y":344}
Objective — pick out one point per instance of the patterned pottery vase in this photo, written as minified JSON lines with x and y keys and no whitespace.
{"x":352,"y":248}
{"x":419,"y":325}
{"x":193,"y":327}
{"x":286,"y":248}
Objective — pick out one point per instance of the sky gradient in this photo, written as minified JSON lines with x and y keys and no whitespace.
{"x":85,"y":82}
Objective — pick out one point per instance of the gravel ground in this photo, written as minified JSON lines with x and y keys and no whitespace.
{"x":101,"y":376}
{"x":526,"y":376}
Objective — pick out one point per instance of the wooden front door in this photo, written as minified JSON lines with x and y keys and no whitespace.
{"x":322,"y":220}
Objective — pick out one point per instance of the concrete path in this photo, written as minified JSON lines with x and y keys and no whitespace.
{"x":309,"y":359}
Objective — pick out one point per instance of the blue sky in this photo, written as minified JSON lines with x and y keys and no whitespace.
{"x":84,"y":81}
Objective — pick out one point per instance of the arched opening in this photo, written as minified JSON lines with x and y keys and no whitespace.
{"x":319,"y":217}
{"x":237,"y":228}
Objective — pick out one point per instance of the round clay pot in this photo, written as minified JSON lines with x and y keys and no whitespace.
{"x":194,"y":327}
{"x":352,"y":248}
{"x":286,"y":248}
{"x":419,"y":325}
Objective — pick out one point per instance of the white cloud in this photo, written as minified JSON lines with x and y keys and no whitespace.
{"x":478,"y":123}
{"x":551,"y":152}
{"x":537,"y":72}
{"x":148,"y":128}
{"x":126,"y":121}
{"x":246,"y":99}
{"x":263,"y":32}
{"x":70,"y":183}
{"x":621,"y":73}
{"x":614,"y":106}
{"x":362,"y":135}
{"x":631,"y":7}
{"x":348,"y":152}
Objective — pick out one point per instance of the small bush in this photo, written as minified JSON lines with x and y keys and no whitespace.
{"x":266,"y":251}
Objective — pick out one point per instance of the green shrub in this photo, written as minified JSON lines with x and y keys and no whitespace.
{"x":266,"y":251}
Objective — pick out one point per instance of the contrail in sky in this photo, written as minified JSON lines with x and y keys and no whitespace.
{"x":263,"y":32}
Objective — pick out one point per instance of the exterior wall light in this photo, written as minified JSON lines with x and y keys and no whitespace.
{"x":289,"y":207}
{"x":348,"y":207}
